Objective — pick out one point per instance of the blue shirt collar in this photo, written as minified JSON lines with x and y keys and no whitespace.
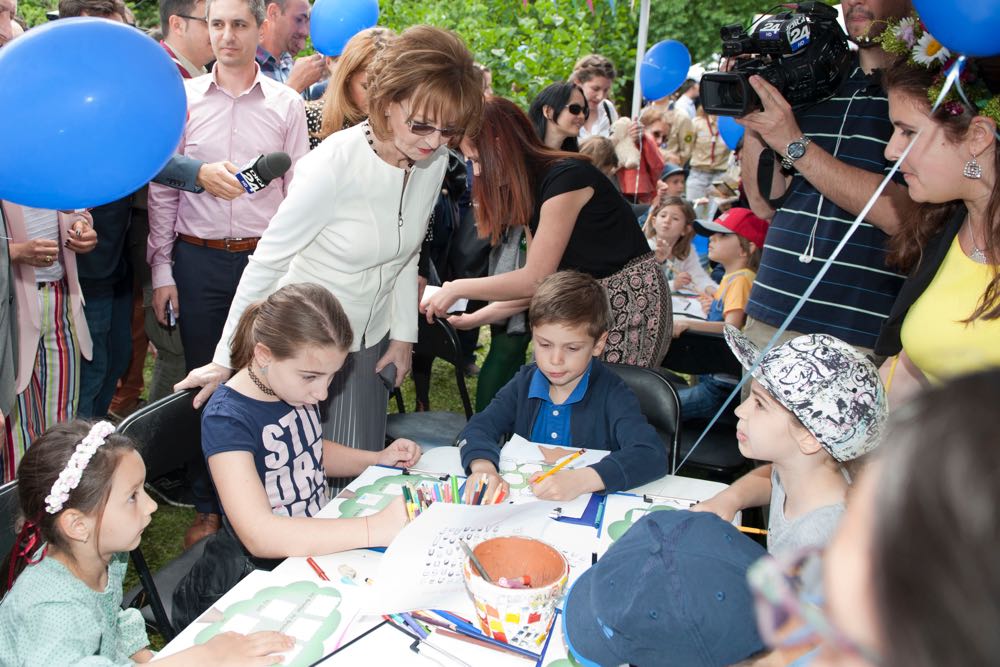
{"x":539,"y":387}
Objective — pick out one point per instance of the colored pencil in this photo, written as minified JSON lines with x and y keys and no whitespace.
{"x":569,"y":459}
{"x":496,"y":642}
{"x":482,"y":492}
{"x":751,"y":531}
{"x":475,"y":562}
{"x":480,"y":641}
{"x":317,"y":569}
{"x":454,"y":491}
{"x":457,"y":620}
{"x":413,"y":625}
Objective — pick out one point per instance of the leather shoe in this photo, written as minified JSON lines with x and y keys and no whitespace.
{"x":203,"y":525}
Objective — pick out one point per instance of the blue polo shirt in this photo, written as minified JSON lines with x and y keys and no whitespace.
{"x":857,"y":293}
{"x":552,"y":424}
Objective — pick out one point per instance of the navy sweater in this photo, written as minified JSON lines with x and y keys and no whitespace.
{"x":608,"y":417}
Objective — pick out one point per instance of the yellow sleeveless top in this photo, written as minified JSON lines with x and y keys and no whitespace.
{"x":934,"y":335}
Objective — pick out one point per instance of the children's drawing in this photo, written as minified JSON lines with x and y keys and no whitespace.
{"x":517,"y":475}
{"x":303,"y":610}
{"x":621,"y":510}
{"x":618,"y":528}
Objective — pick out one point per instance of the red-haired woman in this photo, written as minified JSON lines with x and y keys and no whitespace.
{"x":574,"y":219}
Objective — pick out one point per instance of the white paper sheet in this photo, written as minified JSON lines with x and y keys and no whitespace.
{"x":621,"y":511}
{"x":686,"y":306}
{"x":422,"y":568}
{"x":459,"y":306}
{"x":523,"y":450}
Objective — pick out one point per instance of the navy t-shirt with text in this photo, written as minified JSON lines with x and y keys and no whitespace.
{"x":286,"y":443}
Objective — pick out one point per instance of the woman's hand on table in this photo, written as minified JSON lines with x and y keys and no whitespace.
{"x":437,"y":304}
{"x":399,"y":353}
{"x":402,"y":453}
{"x":208,"y":377}
{"x":383,"y":526}
{"x":257,"y":648}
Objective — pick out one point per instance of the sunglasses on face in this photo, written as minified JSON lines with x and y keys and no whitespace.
{"x":424,"y":129}
{"x":577,"y":109}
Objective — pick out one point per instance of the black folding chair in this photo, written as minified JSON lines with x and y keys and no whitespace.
{"x":718,"y":455}
{"x":657,"y":400}
{"x":169,"y":435}
{"x":433,"y":428}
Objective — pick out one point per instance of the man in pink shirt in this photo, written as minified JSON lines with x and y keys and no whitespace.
{"x":198,"y":246}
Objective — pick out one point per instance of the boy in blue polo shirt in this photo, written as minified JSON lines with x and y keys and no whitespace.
{"x":567,"y":398}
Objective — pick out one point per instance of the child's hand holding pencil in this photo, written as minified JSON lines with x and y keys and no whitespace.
{"x":484,"y":484}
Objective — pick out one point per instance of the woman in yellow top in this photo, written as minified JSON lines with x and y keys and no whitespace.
{"x":946,"y":320}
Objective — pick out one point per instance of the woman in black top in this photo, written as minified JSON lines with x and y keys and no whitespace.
{"x":574,"y":219}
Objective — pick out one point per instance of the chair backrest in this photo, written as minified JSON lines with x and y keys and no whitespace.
{"x":697,"y":352}
{"x":9,"y":510}
{"x":441,"y":340}
{"x":657,"y":400}
{"x":168,"y":432}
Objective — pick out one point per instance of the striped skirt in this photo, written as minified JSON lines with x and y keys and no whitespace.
{"x":54,"y":387}
{"x":641,"y":314}
{"x":354,"y":414}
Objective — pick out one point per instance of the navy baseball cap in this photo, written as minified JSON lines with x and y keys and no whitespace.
{"x":672,"y":590}
{"x":669,"y":169}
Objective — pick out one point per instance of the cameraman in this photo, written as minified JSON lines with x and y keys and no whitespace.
{"x":839,"y":169}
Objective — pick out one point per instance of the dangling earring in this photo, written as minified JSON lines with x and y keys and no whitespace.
{"x":263,"y":371}
{"x":972,"y":169}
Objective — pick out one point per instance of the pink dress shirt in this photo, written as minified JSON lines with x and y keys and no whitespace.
{"x":267,"y":117}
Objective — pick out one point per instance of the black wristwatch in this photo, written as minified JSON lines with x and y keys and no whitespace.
{"x":794,"y":151}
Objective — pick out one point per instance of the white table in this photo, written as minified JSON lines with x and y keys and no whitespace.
{"x":365,"y":563}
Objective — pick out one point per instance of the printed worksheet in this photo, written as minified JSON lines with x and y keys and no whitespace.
{"x":621,"y":510}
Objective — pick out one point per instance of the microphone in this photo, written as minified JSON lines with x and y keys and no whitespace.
{"x":263,"y":169}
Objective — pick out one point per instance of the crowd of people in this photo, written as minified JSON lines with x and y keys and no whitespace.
{"x":294,"y":310}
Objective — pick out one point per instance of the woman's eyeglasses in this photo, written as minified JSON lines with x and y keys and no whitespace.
{"x":577,"y":109}
{"x":424,"y":129}
{"x":789,"y":603}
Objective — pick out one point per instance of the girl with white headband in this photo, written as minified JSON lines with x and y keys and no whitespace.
{"x":83,"y":509}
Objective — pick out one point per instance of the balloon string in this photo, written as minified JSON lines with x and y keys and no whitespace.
{"x":953,"y":74}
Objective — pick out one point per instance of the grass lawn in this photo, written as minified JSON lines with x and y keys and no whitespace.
{"x":163,"y":538}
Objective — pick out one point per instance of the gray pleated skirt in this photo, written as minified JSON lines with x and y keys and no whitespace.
{"x":355,"y":409}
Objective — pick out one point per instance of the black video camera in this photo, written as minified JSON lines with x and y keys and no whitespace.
{"x":803,"y":53}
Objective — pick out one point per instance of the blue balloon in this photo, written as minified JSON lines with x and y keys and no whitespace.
{"x":970,"y":27}
{"x":333,"y":22}
{"x":93,"y":110}
{"x":731,"y":131}
{"x":664,"y":68}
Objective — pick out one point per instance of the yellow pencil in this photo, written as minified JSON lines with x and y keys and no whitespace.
{"x":752,"y":531}
{"x":569,"y":459}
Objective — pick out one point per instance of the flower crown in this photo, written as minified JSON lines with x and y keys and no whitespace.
{"x":69,"y":478}
{"x":908,"y":37}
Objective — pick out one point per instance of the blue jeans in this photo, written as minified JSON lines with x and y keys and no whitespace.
{"x":108,"y":311}
{"x":704,"y":399}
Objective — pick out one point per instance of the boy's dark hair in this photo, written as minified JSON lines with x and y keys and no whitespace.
{"x":38,"y":471}
{"x":571,"y":298}
{"x":602,"y":151}
{"x":103,"y":8}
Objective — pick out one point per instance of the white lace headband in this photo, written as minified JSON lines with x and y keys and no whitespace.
{"x":69,"y":478}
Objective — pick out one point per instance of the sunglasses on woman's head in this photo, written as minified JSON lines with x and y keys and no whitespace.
{"x":577,"y":109}
{"x":424,"y":129}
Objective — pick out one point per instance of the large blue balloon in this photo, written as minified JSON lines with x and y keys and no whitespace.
{"x":971,"y":27}
{"x":333,"y":22}
{"x":664,"y":68}
{"x":93,"y":109}
{"x":731,"y":131}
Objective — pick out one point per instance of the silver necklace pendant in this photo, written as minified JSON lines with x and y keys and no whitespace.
{"x":978,"y":255}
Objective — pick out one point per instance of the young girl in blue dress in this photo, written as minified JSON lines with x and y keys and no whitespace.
{"x":83,"y":509}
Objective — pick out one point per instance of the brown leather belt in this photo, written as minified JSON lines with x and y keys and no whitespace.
{"x":229,"y":245}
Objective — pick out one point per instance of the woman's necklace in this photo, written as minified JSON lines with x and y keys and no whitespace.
{"x":260,"y":383}
{"x":977,"y":255}
{"x":371,"y":142}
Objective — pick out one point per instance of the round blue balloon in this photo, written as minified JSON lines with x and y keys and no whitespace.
{"x":970,"y":27}
{"x":664,"y":68}
{"x":333,"y":22}
{"x":94,"y":109}
{"x":731,"y":131}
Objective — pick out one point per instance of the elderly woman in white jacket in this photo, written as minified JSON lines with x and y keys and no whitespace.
{"x":355,"y":217}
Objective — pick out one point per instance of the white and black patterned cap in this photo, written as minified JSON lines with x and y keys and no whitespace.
{"x":833,"y":389}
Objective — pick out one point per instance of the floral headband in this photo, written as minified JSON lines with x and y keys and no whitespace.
{"x":69,"y":478}
{"x":908,"y":37}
